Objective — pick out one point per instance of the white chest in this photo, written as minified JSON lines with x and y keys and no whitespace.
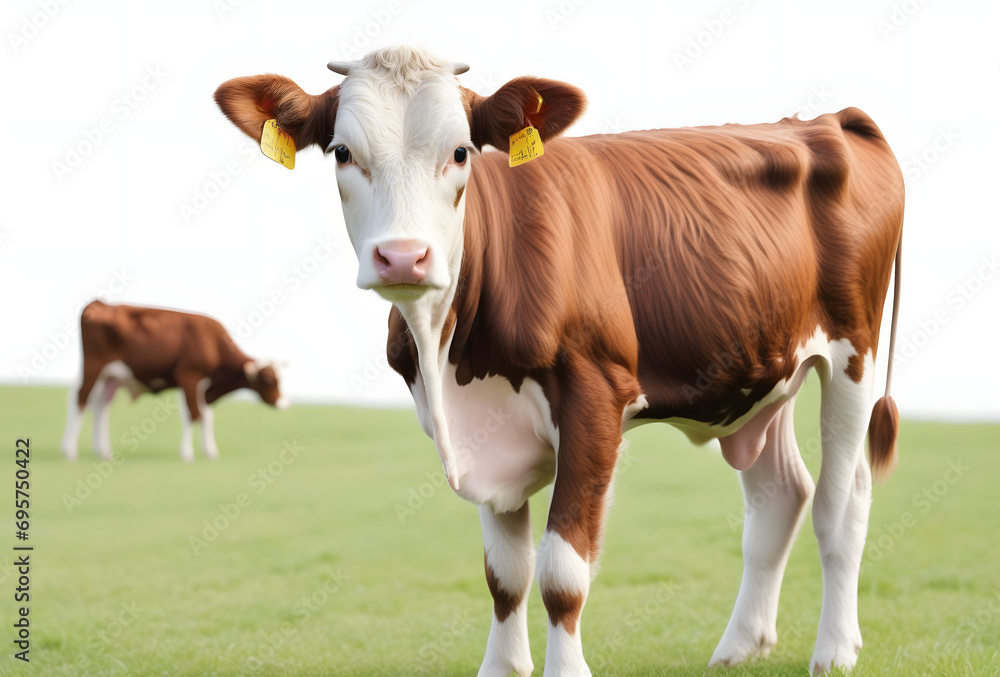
{"x":504,"y":441}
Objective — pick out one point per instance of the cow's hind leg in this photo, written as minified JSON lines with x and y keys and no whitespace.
{"x":509,"y":557}
{"x":208,"y":444}
{"x":841,"y":507}
{"x":100,"y":402}
{"x":776,"y":489}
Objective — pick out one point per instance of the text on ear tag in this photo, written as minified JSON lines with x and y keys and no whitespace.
{"x":276,"y":144}
{"x":525,"y":146}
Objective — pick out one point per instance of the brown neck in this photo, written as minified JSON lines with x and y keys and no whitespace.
{"x":226,"y":382}
{"x":229,"y":376}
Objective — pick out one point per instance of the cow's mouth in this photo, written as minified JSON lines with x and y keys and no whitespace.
{"x":405,"y":286}
{"x":404,"y":291}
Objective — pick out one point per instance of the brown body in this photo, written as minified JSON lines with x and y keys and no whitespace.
{"x":154,"y":349}
{"x":690,"y":263}
{"x":687,"y":265}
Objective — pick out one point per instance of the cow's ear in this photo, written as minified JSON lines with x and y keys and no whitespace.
{"x":251,"y":101}
{"x":549,"y":106}
{"x":251,"y":368}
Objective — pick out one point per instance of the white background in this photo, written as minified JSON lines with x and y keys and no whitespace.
{"x":927,"y":73}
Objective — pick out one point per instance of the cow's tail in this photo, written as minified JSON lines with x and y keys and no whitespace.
{"x":883,"y":429}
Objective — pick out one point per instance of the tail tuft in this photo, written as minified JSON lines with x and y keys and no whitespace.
{"x":883,"y":434}
{"x":883,"y":427}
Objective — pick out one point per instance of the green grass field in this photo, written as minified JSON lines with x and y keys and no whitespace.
{"x":349,"y":556}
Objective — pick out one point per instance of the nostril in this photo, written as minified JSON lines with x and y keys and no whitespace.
{"x":402,"y":261}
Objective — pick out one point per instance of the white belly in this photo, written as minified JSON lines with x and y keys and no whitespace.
{"x":119,"y":374}
{"x":504,"y":441}
{"x":743,"y":439}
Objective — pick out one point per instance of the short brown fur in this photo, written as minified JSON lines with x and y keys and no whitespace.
{"x":716,"y":250}
{"x":563,"y":607}
{"x":504,"y":603}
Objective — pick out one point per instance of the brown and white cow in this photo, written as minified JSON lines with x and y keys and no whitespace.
{"x":691,"y":276}
{"x":152,"y":349}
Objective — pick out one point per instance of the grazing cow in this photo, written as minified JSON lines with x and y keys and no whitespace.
{"x":152,"y":349}
{"x":691,"y":276}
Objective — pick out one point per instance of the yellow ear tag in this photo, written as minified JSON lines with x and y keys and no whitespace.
{"x":276,"y":144}
{"x":525,"y":146}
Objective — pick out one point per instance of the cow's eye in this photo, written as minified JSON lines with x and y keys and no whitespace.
{"x":461,"y":153}
{"x":342,"y":154}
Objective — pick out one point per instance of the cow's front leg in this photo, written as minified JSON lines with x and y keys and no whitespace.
{"x":589,"y":441}
{"x":567,"y":559}
{"x":509,"y":557}
{"x":190,"y":412}
{"x":564,"y":581}
{"x":101,"y":397}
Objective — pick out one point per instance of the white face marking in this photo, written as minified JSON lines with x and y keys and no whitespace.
{"x":395,"y":141}
{"x":283,"y":401}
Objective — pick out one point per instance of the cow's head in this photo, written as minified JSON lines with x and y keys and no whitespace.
{"x":264,"y":378}
{"x":404,"y":135}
